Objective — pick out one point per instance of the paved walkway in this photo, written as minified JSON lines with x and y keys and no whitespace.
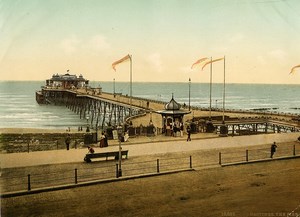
{"x":155,"y":147}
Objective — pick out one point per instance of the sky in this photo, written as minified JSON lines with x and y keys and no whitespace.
{"x":259,"y":39}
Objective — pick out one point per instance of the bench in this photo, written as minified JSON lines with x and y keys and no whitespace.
{"x":106,"y":155}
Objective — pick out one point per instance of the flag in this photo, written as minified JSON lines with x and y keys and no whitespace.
{"x":199,"y":61}
{"x":293,"y":69}
{"x":212,"y":61}
{"x":120,"y":61}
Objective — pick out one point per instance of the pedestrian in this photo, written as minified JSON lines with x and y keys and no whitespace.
{"x":90,"y":150}
{"x":68,"y":141}
{"x":102,"y":140}
{"x":105,"y":140}
{"x":181,"y":130}
{"x":126,"y":136}
{"x":273,"y":149}
{"x":188,"y":130}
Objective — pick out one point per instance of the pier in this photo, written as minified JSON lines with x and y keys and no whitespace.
{"x":97,"y":108}
{"x":102,"y":109}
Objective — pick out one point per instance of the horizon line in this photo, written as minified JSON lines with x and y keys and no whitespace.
{"x":161,"y":82}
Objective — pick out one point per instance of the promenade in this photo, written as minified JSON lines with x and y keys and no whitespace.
{"x":213,"y":189}
{"x":142,"y":146}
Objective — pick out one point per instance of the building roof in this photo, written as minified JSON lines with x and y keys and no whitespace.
{"x":172,"y":105}
{"x":173,"y":108}
{"x":173,"y":112}
{"x":68,"y":77}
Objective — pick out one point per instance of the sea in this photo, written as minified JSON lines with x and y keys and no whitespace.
{"x":18,"y":108}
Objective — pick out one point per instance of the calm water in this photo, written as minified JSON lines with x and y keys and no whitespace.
{"x":18,"y":107}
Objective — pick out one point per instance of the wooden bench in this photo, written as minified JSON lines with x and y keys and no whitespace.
{"x":106,"y":155}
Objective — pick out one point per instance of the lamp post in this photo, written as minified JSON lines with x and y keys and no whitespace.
{"x":114,"y":88}
{"x":87,"y":123}
{"x":150,"y":119}
{"x":120,"y":132}
{"x":223,"y":127}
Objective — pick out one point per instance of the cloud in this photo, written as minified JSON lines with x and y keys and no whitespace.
{"x":229,"y":42}
{"x":155,"y":60}
{"x":187,"y":69}
{"x":278,"y":54}
{"x":218,"y":50}
{"x":261,"y":60}
{"x":99,"y":42}
{"x":238,"y":37}
{"x":71,"y":44}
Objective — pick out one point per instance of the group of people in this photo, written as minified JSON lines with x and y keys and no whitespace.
{"x":103,"y":141}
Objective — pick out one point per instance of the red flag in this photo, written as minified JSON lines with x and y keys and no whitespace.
{"x":127,"y":57}
{"x":199,"y":61}
{"x":212,"y":61}
{"x":293,"y":69}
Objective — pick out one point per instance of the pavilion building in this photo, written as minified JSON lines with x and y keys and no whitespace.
{"x":172,"y":118}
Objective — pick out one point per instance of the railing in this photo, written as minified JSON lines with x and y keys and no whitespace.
{"x":96,"y":171}
{"x":67,"y":174}
{"x":252,"y":155}
{"x":40,"y":145}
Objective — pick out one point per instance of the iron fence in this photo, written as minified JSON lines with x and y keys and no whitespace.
{"x":95,"y":171}
{"x":248,"y":155}
{"x":108,"y":170}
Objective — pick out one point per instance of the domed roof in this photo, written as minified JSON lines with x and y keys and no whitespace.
{"x":172,"y":105}
{"x":173,"y":109}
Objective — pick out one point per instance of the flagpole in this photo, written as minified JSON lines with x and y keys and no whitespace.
{"x":224,"y":94}
{"x":130,"y":111}
{"x":114,"y":87}
{"x":189,"y":94}
{"x":210,"y":89}
{"x":223,"y":127}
